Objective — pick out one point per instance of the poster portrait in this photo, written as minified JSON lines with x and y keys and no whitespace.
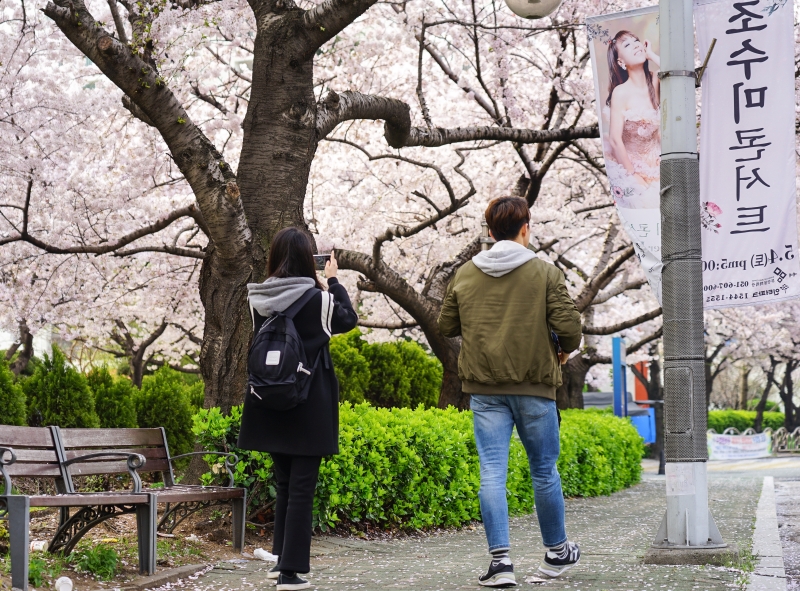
{"x":625,"y":51}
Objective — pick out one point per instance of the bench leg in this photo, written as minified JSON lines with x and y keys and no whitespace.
{"x":146,"y":518}
{"x":19,"y":510}
{"x":238,"y":519}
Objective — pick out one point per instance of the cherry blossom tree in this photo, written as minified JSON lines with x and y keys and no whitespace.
{"x":213,"y":125}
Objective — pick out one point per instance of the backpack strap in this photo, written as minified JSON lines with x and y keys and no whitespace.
{"x":292,"y":310}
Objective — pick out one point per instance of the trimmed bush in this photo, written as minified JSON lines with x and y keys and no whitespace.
{"x":424,"y":373}
{"x":398,"y":374}
{"x":351,"y":369}
{"x":59,"y":395}
{"x":419,"y":468}
{"x":113,"y":399}
{"x":719,"y":420}
{"x":12,"y":399}
{"x":164,"y":401}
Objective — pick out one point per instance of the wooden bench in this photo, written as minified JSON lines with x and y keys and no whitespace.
{"x":32,"y":452}
{"x":64,"y":454}
{"x":180,"y":500}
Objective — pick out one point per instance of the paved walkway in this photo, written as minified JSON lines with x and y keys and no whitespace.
{"x":614,"y":533}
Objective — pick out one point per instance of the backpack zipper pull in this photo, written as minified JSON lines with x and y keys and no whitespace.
{"x":253,"y":392}
{"x":303,"y":369}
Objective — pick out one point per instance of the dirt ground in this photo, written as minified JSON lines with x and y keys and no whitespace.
{"x":203,"y":538}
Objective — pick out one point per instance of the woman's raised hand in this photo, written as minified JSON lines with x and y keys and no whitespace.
{"x":331,"y":266}
{"x":648,"y":51}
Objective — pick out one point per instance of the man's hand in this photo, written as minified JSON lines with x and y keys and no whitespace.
{"x":563,"y":357}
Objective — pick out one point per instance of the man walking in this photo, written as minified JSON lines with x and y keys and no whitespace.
{"x":504,"y":304}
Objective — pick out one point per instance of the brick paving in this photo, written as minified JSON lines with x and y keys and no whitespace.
{"x":613,"y":531}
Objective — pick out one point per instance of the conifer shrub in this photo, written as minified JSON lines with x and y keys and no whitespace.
{"x":12,"y":399}
{"x":164,"y":401}
{"x":399,"y":374}
{"x":351,"y":367}
{"x":58,"y":394}
{"x":113,"y":399}
{"x":418,"y":468}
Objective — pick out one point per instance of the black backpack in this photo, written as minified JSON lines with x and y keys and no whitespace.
{"x":279,"y":373}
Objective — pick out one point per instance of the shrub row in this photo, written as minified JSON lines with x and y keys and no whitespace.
{"x":57,"y":394}
{"x":393,"y":374}
{"x":719,"y":420}
{"x":419,"y":468}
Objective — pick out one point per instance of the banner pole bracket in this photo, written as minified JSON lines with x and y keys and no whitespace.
{"x":702,"y":69}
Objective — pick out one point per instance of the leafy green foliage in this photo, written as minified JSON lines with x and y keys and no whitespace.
{"x":164,"y":401}
{"x":419,"y":468}
{"x":351,"y":367}
{"x":37,"y":568}
{"x":12,"y":398}
{"x":770,"y":406}
{"x":719,"y":420}
{"x":113,"y":399}
{"x":397,"y":374}
{"x":389,"y":383}
{"x":101,"y":561}
{"x":59,"y":395}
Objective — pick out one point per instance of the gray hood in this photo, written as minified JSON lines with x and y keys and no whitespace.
{"x":277,"y":294}
{"x":504,"y":257}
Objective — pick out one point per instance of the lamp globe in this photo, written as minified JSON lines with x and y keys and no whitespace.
{"x":533,"y":8}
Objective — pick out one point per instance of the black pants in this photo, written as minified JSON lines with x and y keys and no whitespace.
{"x":297,"y":480}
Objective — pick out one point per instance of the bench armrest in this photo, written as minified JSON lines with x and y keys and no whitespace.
{"x":134,"y":461}
{"x":230,"y":461}
{"x":6,"y":462}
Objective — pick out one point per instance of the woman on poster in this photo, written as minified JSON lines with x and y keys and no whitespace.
{"x":634,"y":122}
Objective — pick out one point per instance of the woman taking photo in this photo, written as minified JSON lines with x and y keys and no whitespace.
{"x":299,"y":437}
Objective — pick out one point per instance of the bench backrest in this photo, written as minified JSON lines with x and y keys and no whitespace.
{"x":38,"y":455}
{"x":151,"y":443}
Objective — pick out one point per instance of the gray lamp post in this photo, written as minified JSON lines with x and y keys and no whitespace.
{"x":688,"y":523}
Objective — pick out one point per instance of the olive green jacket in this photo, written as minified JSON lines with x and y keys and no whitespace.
{"x":505,"y":325}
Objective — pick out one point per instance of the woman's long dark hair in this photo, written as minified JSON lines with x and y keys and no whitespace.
{"x":619,"y":75}
{"x":292,"y":255}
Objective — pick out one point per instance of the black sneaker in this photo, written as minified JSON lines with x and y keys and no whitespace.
{"x":500,"y":574}
{"x":274,"y":572}
{"x":290,"y":583}
{"x":556,"y":564}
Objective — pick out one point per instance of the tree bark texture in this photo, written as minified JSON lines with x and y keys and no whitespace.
{"x":744,"y":383}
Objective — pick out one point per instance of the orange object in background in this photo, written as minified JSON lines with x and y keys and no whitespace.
{"x":640,"y":392}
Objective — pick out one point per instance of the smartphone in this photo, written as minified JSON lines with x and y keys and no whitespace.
{"x":320,"y":260}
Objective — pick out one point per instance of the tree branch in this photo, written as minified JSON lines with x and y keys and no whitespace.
{"x":388,"y":325}
{"x":351,"y":105}
{"x":328,"y":19}
{"x":210,"y":177}
{"x":606,"y":330}
{"x":189,"y":211}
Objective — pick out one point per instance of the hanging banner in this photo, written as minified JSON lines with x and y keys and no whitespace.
{"x":625,"y":51}
{"x":747,"y":152}
{"x":739,"y":447}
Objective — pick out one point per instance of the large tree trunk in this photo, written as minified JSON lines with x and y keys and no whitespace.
{"x":762,"y":402}
{"x":791,"y":418}
{"x":573,"y":375}
{"x":20,"y":364}
{"x":744,"y":382}
{"x":278,"y":147}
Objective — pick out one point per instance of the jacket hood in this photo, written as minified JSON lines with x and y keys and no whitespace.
{"x":504,"y":257}
{"x":276,"y":294}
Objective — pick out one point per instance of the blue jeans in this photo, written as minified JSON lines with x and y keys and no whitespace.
{"x":536,"y":419}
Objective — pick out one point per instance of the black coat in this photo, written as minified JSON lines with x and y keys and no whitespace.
{"x":311,"y":428}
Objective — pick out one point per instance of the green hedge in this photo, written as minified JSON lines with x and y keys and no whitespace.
{"x":719,"y":420}
{"x":419,"y":468}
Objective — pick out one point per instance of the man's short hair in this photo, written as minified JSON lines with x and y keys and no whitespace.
{"x":505,"y":217}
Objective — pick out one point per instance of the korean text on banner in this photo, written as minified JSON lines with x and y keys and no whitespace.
{"x":747,"y":153}
{"x":625,"y":60}
{"x":739,"y":447}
